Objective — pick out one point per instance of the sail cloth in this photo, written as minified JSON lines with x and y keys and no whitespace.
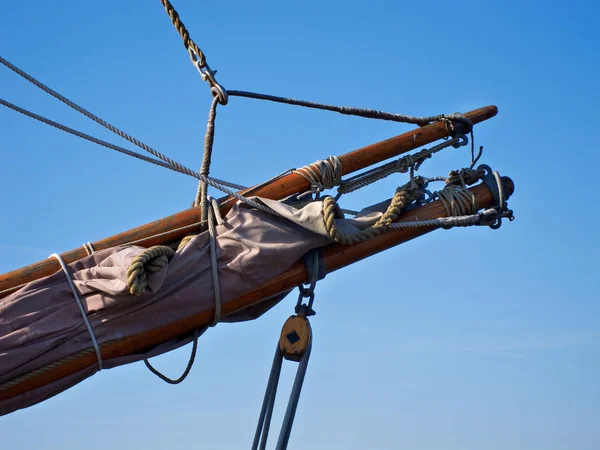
{"x":41,"y":323}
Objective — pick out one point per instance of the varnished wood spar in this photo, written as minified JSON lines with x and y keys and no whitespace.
{"x":336,"y":256}
{"x":365,"y":157}
{"x":178,"y":225}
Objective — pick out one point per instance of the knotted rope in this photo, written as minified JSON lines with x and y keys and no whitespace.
{"x":404,"y":196}
{"x":150,"y":261}
{"x":322,"y":174}
{"x":465,"y":176}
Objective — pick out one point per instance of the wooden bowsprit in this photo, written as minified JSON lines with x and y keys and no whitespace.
{"x":335,"y":257}
{"x":178,"y":225}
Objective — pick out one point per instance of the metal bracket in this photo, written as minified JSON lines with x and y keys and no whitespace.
{"x":494,"y":182}
{"x":315,"y":266}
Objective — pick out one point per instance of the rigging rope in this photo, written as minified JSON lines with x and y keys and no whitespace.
{"x":360,"y":112}
{"x":321,"y":175}
{"x":402,"y":198}
{"x":183,"y":32}
{"x":209,"y":137}
{"x":401,"y":165}
{"x":78,"y":108}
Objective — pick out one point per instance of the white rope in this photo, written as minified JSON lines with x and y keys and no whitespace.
{"x":89,"y":248}
{"x":81,"y":308}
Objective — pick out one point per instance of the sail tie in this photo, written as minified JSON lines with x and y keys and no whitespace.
{"x":64,"y":268}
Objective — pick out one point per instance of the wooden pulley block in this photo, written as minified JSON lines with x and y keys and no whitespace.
{"x":295,"y":337}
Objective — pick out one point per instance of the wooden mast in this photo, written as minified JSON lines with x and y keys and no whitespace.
{"x":335,"y":256}
{"x":178,"y":225}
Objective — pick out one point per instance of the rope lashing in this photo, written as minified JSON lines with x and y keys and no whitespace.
{"x":84,"y":316}
{"x":401,"y":165}
{"x":457,"y":200}
{"x":89,"y":248}
{"x":465,"y":176}
{"x":403,"y":197}
{"x":460,"y":203}
{"x":151,"y":260}
{"x":322,"y":174}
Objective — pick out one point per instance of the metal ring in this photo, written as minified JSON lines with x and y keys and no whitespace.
{"x":219,"y":91}
{"x":462,"y":140}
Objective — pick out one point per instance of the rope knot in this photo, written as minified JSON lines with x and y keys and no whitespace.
{"x":322,"y":174}
{"x":150,"y":261}
{"x":465,"y":177}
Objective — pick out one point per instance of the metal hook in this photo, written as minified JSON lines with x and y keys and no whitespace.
{"x":462,"y":141}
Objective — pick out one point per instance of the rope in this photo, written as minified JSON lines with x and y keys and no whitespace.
{"x":151,"y":260}
{"x":89,"y":248}
{"x":52,"y":366}
{"x":290,"y":412}
{"x":465,"y":177}
{"x":212,"y":234}
{"x":156,"y":258}
{"x":361,"y":112}
{"x":264,"y":421}
{"x":84,"y":136}
{"x":168,"y":162}
{"x":458,"y":200}
{"x":266,"y":413}
{"x":187,"y":370}
{"x":402,"y":198}
{"x":448,"y":222}
{"x":183,"y":32}
{"x":88,"y":325}
{"x":171,"y":164}
{"x":322,"y":174}
{"x":209,"y":137}
{"x":401,"y":165}
{"x":78,"y":108}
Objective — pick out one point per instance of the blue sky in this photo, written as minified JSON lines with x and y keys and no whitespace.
{"x":462,"y":339}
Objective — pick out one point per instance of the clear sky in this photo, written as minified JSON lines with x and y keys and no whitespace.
{"x":463,"y":339}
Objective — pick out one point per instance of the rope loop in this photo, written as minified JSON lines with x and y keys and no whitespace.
{"x":404,"y":196}
{"x":151,"y":260}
